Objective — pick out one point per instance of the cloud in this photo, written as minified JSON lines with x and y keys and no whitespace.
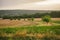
{"x":33,"y":5}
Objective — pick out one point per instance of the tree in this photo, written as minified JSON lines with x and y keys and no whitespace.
{"x":11,"y":18}
{"x":46,"y":18}
{"x":19,"y":18}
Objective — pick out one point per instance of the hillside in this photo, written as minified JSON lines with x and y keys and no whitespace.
{"x":21,"y":12}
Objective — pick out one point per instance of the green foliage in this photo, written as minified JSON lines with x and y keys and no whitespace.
{"x":30,"y":29}
{"x":11,"y":18}
{"x":32,"y":19}
{"x":34,"y":15}
{"x":27,"y":13}
{"x":48,"y":31}
{"x":46,"y":18}
{"x":19,"y":18}
{"x":57,"y":21}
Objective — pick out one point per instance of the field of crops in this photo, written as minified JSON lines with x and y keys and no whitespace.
{"x":29,"y":30}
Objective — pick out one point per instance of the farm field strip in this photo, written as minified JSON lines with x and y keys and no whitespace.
{"x":29,"y":30}
{"x":37,"y":21}
{"x":37,"y":32}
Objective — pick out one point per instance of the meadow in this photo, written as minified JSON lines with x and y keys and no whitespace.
{"x":29,"y":30}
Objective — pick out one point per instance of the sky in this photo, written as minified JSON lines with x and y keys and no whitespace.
{"x":30,"y":4}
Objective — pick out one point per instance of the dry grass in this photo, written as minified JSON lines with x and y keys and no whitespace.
{"x":55,"y":19}
{"x":11,"y":23}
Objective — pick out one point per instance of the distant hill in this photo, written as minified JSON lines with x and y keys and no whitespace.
{"x":21,"y":12}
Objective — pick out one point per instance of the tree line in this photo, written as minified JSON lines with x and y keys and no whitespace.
{"x":35,"y":15}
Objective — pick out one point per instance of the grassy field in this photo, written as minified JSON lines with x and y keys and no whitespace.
{"x":29,"y":30}
{"x":30,"y":33}
{"x":37,"y":21}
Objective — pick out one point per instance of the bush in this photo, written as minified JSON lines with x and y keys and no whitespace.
{"x":32,"y":19}
{"x":46,"y":18}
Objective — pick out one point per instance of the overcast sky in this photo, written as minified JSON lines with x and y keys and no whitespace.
{"x":30,"y":4}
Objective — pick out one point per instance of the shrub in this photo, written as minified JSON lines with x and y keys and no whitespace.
{"x":32,"y":19}
{"x":19,"y":18}
{"x":46,"y":18}
{"x":11,"y":18}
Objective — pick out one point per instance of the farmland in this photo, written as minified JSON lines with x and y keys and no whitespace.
{"x":37,"y":21}
{"x":31,"y":33}
{"x":29,"y":30}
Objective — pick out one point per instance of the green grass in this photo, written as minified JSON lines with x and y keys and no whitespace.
{"x":58,"y":21}
{"x":30,"y":29}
